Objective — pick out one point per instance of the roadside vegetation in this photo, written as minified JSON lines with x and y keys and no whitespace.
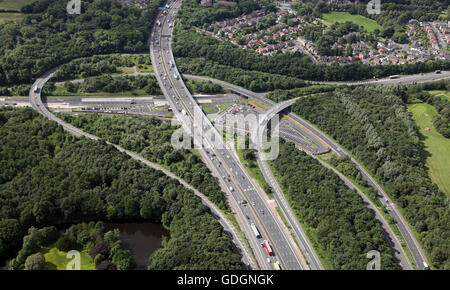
{"x":253,"y":80}
{"x":102,"y":64}
{"x":284,"y":95}
{"x":373,"y":124}
{"x":335,"y":217}
{"x":200,"y":87}
{"x":48,"y":36}
{"x":248,"y":159}
{"x":151,"y":138}
{"x":49,"y":177}
{"x":107,"y":85}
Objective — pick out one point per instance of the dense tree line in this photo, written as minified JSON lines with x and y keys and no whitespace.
{"x":16,"y":90}
{"x":97,"y":65}
{"x":107,"y":83}
{"x":344,"y":229}
{"x":194,"y":14}
{"x":151,"y":138}
{"x":189,"y":43}
{"x":374,"y":125}
{"x":197,"y":87}
{"x":105,"y":248}
{"x":283,"y":95}
{"x":253,"y":80}
{"x":50,"y":36}
{"x":345,"y":165}
{"x":50,"y":177}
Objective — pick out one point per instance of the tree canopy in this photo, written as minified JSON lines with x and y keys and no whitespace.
{"x":50,"y":177}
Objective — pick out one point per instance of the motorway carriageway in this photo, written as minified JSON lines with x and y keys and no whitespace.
{"x":231,"y":173}
{"x":403,"y":226}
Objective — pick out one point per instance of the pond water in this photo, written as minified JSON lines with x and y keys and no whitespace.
{"x":142,"y":239}
{"x":4,"y":265}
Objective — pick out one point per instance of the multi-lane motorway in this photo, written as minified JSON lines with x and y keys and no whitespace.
{"x":227,"y":166}
{"x":411,"y":242}
{"x":401,"y":80}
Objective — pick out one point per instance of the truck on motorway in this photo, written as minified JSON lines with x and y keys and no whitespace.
{"x":268,"y":248}
{"x":36,"y":89}
{"x":394,"y":77}
{"x":255,"y":230}
{"x":183,"y":112}
{"x":170,"y":63}
{"x":276,"y":265}
{"x":158,"y":23}
{"x":175,"y":75}
{"x":425,"y":266}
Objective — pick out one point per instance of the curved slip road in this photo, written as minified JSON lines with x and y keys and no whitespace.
{"x":38,"y":105}
{"x":403,"y":226}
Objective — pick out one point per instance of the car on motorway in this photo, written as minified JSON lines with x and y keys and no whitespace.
{"x":231,"y":189}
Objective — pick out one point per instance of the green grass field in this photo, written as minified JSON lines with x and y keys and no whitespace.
{"x":14,"y":4}
{"x":4,"y":17}
{"x":445,"y":95}
{"x":56,"y":260}
{"x":437,"y":145}
{"x":369,"y":24}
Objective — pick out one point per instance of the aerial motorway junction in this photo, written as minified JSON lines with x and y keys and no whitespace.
{"x":271,"y":242}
